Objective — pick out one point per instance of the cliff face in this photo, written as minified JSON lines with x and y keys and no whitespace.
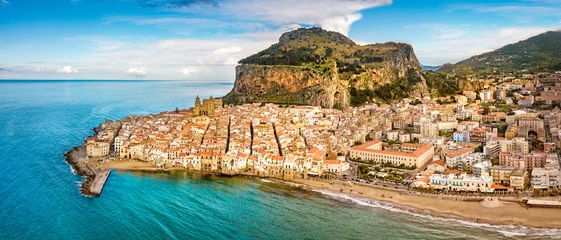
{"x":317,"y":67}
{"x":291,"y":85}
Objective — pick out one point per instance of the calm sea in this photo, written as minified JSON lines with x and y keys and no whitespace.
{"x":39,"y":197}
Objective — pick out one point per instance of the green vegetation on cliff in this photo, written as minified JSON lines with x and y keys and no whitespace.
{"x":318,"y":67}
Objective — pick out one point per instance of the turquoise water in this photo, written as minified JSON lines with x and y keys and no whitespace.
{"x":39,"y":197}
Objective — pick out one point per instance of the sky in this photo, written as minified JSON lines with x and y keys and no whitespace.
{"x":202,"y":40}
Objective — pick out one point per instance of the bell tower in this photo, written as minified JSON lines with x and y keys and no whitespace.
{"x":197,"y":106}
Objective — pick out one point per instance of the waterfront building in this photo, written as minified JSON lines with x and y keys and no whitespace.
{"x":544,"y":178}
{"x":501,"y":174}
{"x":408,"y":154}
{"x":461,"y":182}
{"x":519,"y":179}
{"x":96,"y":147}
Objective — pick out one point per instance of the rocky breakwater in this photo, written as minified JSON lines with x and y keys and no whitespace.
{"x":94,"y":177}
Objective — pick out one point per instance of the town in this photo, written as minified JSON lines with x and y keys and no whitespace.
{"x":502,"y":139}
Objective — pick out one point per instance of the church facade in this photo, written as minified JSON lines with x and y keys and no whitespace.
{"x":207,"y":106}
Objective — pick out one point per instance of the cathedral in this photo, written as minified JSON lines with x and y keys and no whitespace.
{"x":207,"y":107}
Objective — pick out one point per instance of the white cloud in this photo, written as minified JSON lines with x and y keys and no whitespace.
{"x":449,"y":34}
{"x":67,"y":69}
{"x":341,"y":24}
{"x":290,"y":27}
{"x":107,"y":46}
{"x":141,"y":72}
{"x":472,"y":43}
{"x":4,"y":2}
{"x":334,"y":15}
{"x":503,"y":9}
{"x":100,"y":44}
{"x":38,"y":70}
{"x":441,"y":31}
{"x":188,"y":70}
{"x":228,"y":50}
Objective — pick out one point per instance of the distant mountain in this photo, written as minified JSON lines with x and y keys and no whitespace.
{"x":537,"y":53}
{"x":430,"y":68}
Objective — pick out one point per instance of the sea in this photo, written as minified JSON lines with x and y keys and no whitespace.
{"x":40,"y":198}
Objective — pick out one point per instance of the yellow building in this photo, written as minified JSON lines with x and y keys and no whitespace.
{"x":408,"y":154}
{"x":96,"y":147}
{"x":519,"y":179}
{"x":207,"y":107}
{"x":511,"y":132}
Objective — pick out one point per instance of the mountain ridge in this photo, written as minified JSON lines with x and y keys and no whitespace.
{"x":538,"y":53}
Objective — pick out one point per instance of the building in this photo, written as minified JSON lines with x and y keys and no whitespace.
{"x":207,"y":107}
{"x":461,"y":182}
{"x":453,"y":158}
{"x":519,"y":179}
{"x":492,"y":149}
{"x":534,"y":123}
{"x":429,"y":129}
{"x":437,"y":166}
{"x":491,"y":118}
{"x":466,"y":164}
{"x":336,"y":166}
{"x":392,"y":136}
{"x":433,"y":140}
{"x":408,"y":154}
{"x":458,"y":136}
{"x":515,"y":145}
{"x":543,"y":178}
{"x":481,"y":168}
{"x":501,"y":174}
{"x":96,"y":147}
{"x":478,"y":135}
{"x":512,"y":159}
{"x":486,"y":95}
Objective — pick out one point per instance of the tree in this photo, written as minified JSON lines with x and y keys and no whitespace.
{"x":176,"y":110}
{"x":478,"y":149}
{"x":486,"y":110}
{"x":363,"y":169}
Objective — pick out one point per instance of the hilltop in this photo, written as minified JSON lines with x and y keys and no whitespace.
{"x":318,"y":67}
{"x":538,"y":53}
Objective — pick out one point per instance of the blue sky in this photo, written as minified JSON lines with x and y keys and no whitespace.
{"x":202,"y":40}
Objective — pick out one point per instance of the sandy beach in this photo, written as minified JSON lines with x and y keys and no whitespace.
{"x":127,"y":165}
{"x":503,"y":213}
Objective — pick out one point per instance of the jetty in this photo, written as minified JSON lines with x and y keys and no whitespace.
{"x":544,"y":203}
{"x":99,"y":181}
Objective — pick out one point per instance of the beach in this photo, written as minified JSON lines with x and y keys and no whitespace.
{"x":502,"y":214}
{"x":130,"y":166}
{"x":494,"y":213}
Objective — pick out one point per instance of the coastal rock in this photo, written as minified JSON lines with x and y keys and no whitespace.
{"x":75,"y":157}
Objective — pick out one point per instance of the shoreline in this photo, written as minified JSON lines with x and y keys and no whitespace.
{"x":503,"y":214}
{"x":496,"y":213}
{"x":73,"y":158}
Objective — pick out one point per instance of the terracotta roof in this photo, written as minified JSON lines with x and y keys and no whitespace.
{"x":496,"y":186}
{"x":332,"y":161}
{"x":459,"y":152}
{"x":438,"y":162}
{"x":421,"y":148}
